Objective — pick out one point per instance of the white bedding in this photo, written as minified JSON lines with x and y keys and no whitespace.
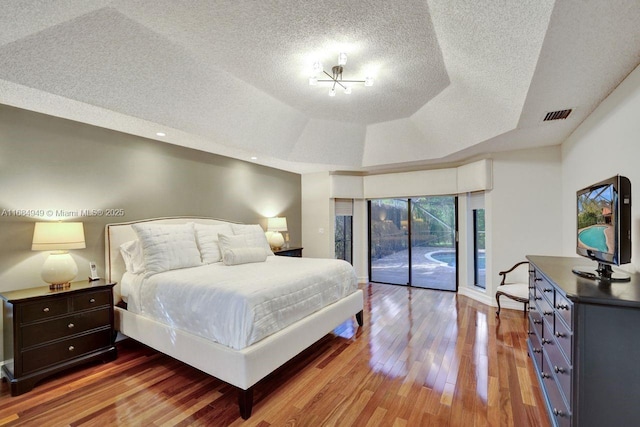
{"x":239,"y":305}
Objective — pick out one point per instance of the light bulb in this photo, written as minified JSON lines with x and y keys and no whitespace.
{"x":347,"y":90}
{"x":313,"y":81}
{"x":332,"y":92}
{"x":317,"y":67}
{"x":342,"y":58}
{"x":368,"y":81}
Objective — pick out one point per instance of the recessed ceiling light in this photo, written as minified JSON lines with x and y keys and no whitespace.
{"x":254,"y":158}
{"x":161,"y":134}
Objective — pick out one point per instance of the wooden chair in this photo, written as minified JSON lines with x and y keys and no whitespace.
{"x":516,"y":290}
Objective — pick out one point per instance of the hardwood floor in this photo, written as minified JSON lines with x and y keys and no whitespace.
{"x":423,"y":358}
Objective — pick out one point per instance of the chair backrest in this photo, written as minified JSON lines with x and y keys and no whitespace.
{"x":519,"y":275}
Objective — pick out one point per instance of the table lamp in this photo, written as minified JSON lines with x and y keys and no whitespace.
{"x":275,"y":226}
{"x":59,"y":269}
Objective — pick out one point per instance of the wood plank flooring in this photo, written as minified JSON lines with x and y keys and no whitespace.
{"x":423,"y":358}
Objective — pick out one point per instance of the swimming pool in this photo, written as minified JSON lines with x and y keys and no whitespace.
{"x":594,"y":237}
{"x":449,"y":258}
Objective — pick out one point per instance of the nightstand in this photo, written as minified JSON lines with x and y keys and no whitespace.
{"x":48,"y":331}
{"x":294,"y":252}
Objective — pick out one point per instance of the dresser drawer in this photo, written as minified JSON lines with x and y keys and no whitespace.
{"x":535,"y":349}
{"x":544,"y":289}
{"x":557,"y":405}
{"x":559,"y":365}
{"x":40,"y":333}
{"x":564,"y":338}
{"x":535,"y":319}
{"x":564,"y":308}
{"x":61,"y":351}
{"x":44,"y":309}
{"x":91,"y":300}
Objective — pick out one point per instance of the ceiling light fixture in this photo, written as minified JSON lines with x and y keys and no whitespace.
{"x":335,"y":78}
{"x":161,"y":134}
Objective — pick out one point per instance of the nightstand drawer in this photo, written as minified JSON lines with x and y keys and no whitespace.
{"x":40,"y":333}
{"x":44,"y":309}
{"x":41,"y":357}
{"x":91,"y":300}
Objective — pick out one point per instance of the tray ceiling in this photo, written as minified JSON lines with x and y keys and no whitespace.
{"x":453,"y":78}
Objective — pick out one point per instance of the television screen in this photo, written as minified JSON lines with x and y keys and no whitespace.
{"x":596,"y":219}
{"x":604,"y":225}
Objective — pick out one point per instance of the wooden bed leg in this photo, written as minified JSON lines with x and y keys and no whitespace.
{"x":245,"y":401}
{"x":359,"y":318}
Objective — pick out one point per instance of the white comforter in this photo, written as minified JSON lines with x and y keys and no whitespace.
{"x":241,"y":304}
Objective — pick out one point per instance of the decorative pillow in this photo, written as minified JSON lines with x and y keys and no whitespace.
{"x":168,"y":246}
{"x":230,"y":241}
{"x":133,"y":257}
{"x":244,"y":255}
{"x":254,"y":234}
{"x":207,"y":239}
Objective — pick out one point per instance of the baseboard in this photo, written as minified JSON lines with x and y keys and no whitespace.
{"x":490,"y":300}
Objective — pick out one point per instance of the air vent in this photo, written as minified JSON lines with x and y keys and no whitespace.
{"x":557,"y":115}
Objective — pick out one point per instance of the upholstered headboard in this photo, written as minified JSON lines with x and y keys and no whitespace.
{"x":118,"y":233}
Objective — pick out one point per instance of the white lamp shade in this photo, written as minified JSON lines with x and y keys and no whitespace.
{"x":59,"y":268}
{"x":277,"y":224}
{"x":55,"y":236}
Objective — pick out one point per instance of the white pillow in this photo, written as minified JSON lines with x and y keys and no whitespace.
{"x":254,"y":234}
{"x":207,"y":239}
{"x":244,"y":255}
{"x":230,"y":241}
{"x":133,"y":256}
{"x":168,"y":246}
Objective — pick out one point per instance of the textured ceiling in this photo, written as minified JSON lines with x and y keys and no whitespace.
{"x":453,"y":78}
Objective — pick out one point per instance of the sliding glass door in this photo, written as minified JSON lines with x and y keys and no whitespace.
{"x":389,"y":241}
{"x":417,"y":249}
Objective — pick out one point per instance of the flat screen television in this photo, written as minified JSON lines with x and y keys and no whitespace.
{"x":604,"y":227}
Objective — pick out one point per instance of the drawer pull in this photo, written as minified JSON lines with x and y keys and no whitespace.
{"x":537,"y":298}
{"x":558,"y":413}
{"x":92,"y":300}
{"x":560,"y":335}
{"x":548,"y":313}
{"x":537,"y":321}
{"x":71,"y":348}
{"x":537,"y":279}
{"x":46,"y":309}
{"x":562,"y":307}
{"x":529,"y":332}
{"x":545,"y":375}
{"x":559,"y":370}
{"x":71,"y":326}
{"x":547,"y":290}
{"x":545,"y":341}
{"x":537,"y":350}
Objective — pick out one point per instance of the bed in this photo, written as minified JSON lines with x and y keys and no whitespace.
{"x":240,"y":360}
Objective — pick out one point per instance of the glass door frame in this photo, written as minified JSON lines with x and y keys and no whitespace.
{"x":409,"y":242}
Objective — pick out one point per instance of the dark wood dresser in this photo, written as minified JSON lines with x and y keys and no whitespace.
{"x":584,"y":340}
{"x":48,"y":331}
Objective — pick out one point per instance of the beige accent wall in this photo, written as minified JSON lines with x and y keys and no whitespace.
{"x":61,"y":167}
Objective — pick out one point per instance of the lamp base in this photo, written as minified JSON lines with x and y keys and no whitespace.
{"x":276,"y":241}
{"x":59,"y":269}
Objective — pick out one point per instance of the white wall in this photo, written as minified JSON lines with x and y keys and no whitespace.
{"x":607,"y":143}
{"x":317,"y":216}
{"x":523,"y":210}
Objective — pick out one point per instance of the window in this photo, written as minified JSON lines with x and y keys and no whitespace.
{"x":479,"y":253}
{"x":344,"y":230}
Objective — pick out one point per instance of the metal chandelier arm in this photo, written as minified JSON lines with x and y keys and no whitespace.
{"x":333,"y":80}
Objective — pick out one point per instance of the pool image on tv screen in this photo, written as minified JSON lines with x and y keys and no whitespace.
{"x":596,"y":219}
